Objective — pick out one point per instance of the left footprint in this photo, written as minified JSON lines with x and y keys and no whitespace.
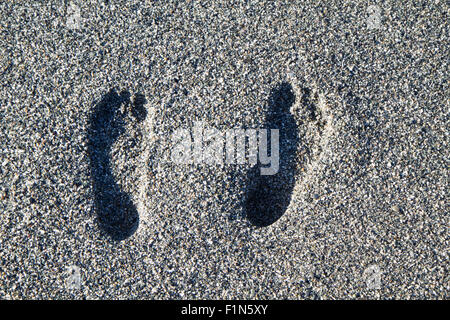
{"x":117,"y":215}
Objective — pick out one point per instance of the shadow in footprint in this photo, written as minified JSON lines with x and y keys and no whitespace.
{"x":268,"y":196}
{"x":117,"y":215}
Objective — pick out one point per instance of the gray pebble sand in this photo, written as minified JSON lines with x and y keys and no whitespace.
{"x":368,"y":213}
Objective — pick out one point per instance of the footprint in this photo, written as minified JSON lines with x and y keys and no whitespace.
{"x":268,"y":196}
{"x":117,"y":215}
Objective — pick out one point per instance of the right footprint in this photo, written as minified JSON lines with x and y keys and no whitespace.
{"x":268,"y":196}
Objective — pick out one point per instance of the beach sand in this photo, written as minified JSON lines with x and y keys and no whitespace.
{"x":92,"y":207}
